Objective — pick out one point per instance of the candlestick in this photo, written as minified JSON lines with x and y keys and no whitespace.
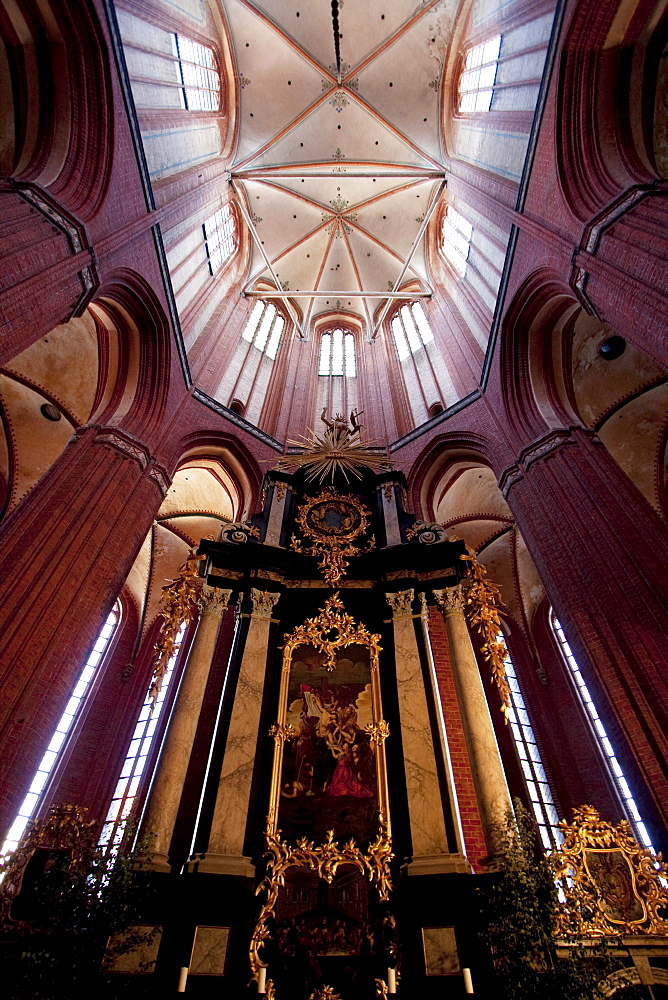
{"x":468,"y":982}
{"x":183,"y":977}
{"x":262,"y":979}
{"x":391,"y":980}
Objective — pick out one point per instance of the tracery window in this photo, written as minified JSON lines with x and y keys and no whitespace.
{"x":456,"y":235}
{"x":540,"y":794}
{"x":264,"y":328}
{"x":196,"y":69}
{"x":337,"y":354}
{"x":411,"y":330}
{"x":600,"y":733}
{"x":58,"y":740}
{"x":219,"y":237}
{"x":476,"y":85}
{"x":137,"y":755}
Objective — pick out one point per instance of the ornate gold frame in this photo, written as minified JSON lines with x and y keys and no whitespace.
{"x":331,"y":549}
{"x":330,"y":630}
{"x":584,"y":912}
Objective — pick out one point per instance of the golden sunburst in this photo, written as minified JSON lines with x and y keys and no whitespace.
{"x":339,"y":449}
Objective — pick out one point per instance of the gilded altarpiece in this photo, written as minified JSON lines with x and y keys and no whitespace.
{"x":325,"y":921}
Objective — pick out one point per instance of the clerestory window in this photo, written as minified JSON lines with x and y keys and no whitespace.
{"x":456,"y":235}
{"x":337,"y":354}
{"x":264,"y":328}
{"x":220,"y":240}
{"x":199,"y":79}
{"x":476,"y":84}
{"x":601,"y":734}
{"x":411,"y":330}
{"x":58,"y":741}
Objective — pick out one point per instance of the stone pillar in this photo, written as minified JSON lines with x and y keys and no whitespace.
{"x":387,"y":497}
{"x":65,"y":552}
{"x":431,"y":852}
{"x":224,"y":854}
{"x":602,"y":554}
{"x":165,"y":795}
{"x":280,"y":494}
{"x":488,"y":774}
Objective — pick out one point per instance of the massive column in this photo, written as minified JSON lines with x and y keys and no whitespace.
{"x":488,"y":775}
{"x":165,"y":795}
{"x":431,"y":851}
{"x":65,"y":553}
{"x":224,"y":854}
{"x":602,"y":553}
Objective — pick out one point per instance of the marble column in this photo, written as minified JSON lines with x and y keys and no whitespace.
{"x":387,"y":496}
{"x":165,"y":795}
{"x":428,"y":834}
{"x":224,"y":854}
{"x":488,"y":774}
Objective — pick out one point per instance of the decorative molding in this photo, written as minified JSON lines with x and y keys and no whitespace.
{"x":427,"y":533}
{"x":160,"y":477}
{"x":450,"y":601}
{"x":213,"y":601}
{"x":511,"y":474}
{"x":238,"y":532}
{"x":401,"y":603}
{"x":263,"y":603}
{"x":540,"y":448}
{"x":123,"y":443}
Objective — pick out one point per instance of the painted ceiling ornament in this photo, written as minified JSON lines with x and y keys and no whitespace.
{"x":340,"y":448}
{"x":332,"y":522}
{"x":611,"y":884}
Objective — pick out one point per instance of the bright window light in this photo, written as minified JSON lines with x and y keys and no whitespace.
{"x":219,"y":238}
{"x":476,"y":85}
{"x":137,"y":755}
{"x":337,"y":354}
{"x":456,"y":235}
{"x":55,"y":747}
{"x":264,"y":328}
{"x":200,"y":83}
{"x":601,"y":735}
{"x":411,"y":330}
{"x":531,"y":763}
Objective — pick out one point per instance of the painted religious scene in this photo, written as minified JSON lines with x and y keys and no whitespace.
{"x":328,"y":779}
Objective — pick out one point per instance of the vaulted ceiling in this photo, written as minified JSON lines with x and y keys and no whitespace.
{"x":339,"y":176}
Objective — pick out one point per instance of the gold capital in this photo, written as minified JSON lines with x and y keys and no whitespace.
{"x":450,"y":601}
{"x":213,"y":601}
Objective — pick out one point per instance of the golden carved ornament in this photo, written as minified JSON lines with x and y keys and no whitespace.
{"x":325,"y":993}
{"x":281,"y":732}
{"x":611,"y":884}
{"x":177,"y":605}
{"x":381,"y":989}
{"x":332,"y":521}
{"x":378,"y":733}
{"x":485,"y":605}
{"x":340,"y":448}
{"x":330,"y":630}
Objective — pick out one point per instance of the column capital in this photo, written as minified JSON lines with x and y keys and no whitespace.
{"x":545,"y":445}
{"x":263,"y":602}
{"x":213,"y":601}
{"x":401,"y":602}
{"x":450,"y":600}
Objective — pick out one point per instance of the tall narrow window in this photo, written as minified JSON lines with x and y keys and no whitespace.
{"x":601,"y":735}
{"x":264,"y":328}
{"x":533,"y":770}
{"x":411,"y":330}
{"x":200,"y":83}
{"x":456,"y":235}
{"x":337,"y":354}
{"x":57,"y":744}
{"x":138,"y":751}
{"x":219,"y":238}
{"x":476,"y":85}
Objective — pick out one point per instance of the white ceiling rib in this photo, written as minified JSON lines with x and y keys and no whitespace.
{"x":339,"y":180}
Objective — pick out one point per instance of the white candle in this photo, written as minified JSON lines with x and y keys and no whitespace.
{"x":391,"y":980}
{"x":183,"y":977}
{"x":262,"y":979}
{"x":468,"y":982}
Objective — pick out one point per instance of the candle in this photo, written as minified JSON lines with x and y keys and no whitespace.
{"x":262,"y":979}
{"x":468,"y":982}
{"x":183,"y":976}
{"x":391,"y":980}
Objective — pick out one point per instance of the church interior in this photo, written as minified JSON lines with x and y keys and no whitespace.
{"x":333,"y":524}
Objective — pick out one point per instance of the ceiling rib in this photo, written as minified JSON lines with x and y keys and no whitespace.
{"x":401,"y":30}
{"x":317,"y":294}
{"x":376,"y":169}
{"x":264,"y":17}
{"x":283,"y":132}
{"x":397,"y":133}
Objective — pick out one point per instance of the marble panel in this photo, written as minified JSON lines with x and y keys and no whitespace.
{"x":134,"y":950}
{"x":440,"y":951}
{"x":209,"y":951}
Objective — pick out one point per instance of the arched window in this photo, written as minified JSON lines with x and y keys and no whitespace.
{"x":337,"y":354}
{"x":197,"y":75}
{"x":411,"y":330}
{"x":58,"y":740}
{"x":531,"y":763}
{"x":456,"y":235}
{"x":600,"y":733}
{"x":264,"y":328}
{"x":476,"y":84}
{"x":220,"y":237}
{"x":137,"y":755}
